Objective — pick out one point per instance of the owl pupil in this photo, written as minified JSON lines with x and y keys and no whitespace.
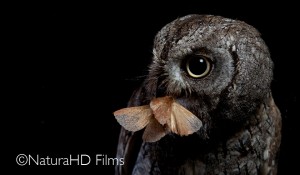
{"x":197,"y":66}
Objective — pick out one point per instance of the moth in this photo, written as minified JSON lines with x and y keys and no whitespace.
{"x":161,"y":116}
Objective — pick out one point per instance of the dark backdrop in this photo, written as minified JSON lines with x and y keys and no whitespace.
{"x":72,"y":65}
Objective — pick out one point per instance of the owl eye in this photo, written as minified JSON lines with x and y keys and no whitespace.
{"x":198,"y":66}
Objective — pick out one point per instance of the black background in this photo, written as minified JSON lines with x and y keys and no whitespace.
{"x":71,"y":65}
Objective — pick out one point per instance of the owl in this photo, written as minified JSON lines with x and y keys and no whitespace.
{"x":219,"y":70}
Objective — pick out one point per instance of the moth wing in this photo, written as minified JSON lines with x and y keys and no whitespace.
{"x":161,"y":108}
{"x":182,"y":121}
{"x":154,"y":131}
{"x":134,"y":118}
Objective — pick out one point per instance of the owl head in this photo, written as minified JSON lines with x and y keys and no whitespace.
{"x":218,"y":68}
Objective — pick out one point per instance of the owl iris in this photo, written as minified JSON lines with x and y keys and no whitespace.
{"x":198,"y":66}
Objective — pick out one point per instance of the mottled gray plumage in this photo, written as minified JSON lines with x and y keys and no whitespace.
{"x":241,"y":129}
